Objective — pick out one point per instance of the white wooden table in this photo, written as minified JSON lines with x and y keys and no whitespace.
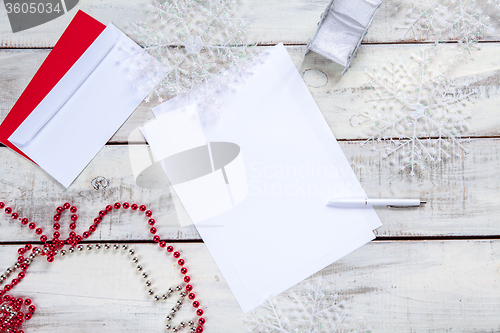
{"x":432,"y":269}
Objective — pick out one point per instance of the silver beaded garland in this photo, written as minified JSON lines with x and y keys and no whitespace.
{"x":51,"y":251}
{"x":139,"y":268}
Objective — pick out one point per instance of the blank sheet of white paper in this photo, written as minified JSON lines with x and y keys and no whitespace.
{"x":283,"y":231}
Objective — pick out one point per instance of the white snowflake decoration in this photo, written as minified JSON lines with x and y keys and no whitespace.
{"x":308,"y":308}
{"x":444,"y":20}
{"x":418,"y":112}
{"x":195,"y":41}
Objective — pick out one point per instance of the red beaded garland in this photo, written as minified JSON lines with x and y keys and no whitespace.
{"x":12,"y":320}
{"x":50,"y":247}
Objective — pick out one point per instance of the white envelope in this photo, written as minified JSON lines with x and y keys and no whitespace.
{"x":87,"y":106}
{"x":282,"y":230}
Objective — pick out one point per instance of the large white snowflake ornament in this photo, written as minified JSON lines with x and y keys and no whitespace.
{"x":310,"y":307}
{"x":196,"y":42}
{"x":417,"y":112}
{"x":444,"y":20}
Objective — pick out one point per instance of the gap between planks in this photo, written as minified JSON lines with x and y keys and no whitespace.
{"x":378,"y":239}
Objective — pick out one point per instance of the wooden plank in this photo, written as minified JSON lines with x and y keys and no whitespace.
{"x":431,"y":286}
{"x":273,"y":21}
{"x":341,"y":98}
{"x":103,"y":290}
{"x":462,"y":194}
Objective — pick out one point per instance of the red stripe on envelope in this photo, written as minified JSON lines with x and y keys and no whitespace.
{"x":76,"y":39}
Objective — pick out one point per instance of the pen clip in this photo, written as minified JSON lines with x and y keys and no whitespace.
{"x":421,"y":203}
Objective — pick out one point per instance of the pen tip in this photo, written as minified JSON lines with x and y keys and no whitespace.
{"x":423,"y":202}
